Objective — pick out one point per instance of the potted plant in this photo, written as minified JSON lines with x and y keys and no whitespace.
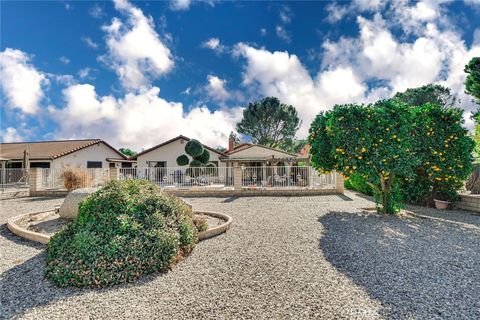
{"x":442,"y":198}
{"x":441,"y":204}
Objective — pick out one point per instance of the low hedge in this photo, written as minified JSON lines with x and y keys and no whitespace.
{"x":123,"y":231}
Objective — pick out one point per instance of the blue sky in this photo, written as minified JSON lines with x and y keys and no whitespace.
{"x":138,"y":73}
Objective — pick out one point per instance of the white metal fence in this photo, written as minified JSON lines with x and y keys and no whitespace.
{"x":291,"y":177}
{"x":286,"y":177}
{"x":72,"y":178}
{"x":11,"y":177}
{"x":181,"y":177}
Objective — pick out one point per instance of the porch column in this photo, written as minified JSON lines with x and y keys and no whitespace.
{"x":237,"y":176}
{"x":113,"y":174}
{"x":264,"y":174}
{"x":34,"y":181}
{"x":339,"y":182}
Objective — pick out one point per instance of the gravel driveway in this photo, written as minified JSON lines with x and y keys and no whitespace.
{"x":298,"y":257}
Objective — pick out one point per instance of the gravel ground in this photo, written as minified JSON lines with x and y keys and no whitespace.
{"x":297,"y":257}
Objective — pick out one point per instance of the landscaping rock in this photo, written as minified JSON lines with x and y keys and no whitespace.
{"x":69,"y":207}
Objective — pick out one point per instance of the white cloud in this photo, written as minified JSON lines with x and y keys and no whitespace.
{"x":286,"y":14}
{"x":183,"y":5}
{"x":11,"y":135}
{"x":437,"y":54}
{"x":96,"y":11}
{"x":187,"y":91}
{"x":64,"y":60}
{"x":374,"y":65}
{"x":20,"y":81}
{"x":85,"y":73}
{"x":283,"y":34}
{"x":214,"y":44}
{"x":263,"y":32}
{"x":140,"y":120}
{"x":336,"y":12}
{"x":136,"y":52}
{"x":216,"y":88}
{"x":282,"y":75}
{"x":178,"y":5}
{"x":89,"y":42}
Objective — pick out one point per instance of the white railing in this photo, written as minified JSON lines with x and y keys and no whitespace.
{"x":13,"y":177}
{"x":181,"y":177}
{"x":286,"y":177}
{"x":72,"y":178}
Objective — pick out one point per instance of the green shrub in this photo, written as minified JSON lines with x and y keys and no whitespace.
{"x":444,"y":150}
{"x":201,"y":224}
{"x":123,"y":231}
{"x":194,"y":148}
{"x":182,"y":160}
{"x":195,"y":164}
{"x":204,"y":157}
{"x":373,"y":141}
{"x":358,"y":183}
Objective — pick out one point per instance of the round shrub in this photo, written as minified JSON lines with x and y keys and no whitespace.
{"x":211,"y":165}
{"x":195,"y":164}
{"x":194,"y":148}
{"x":182,"y":160}
{"x":204,"y":157}
{"x":123,"y":231}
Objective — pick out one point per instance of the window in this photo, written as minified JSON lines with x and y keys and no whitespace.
{"x":157,"y":164}
{"x":111,"y":165}
{"x":39,"y":164}
{"x":94,"y":164}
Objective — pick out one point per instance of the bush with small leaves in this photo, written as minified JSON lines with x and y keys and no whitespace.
{"x":372,"y":141}
{"x":204,"y":157}
{"x":123,"y":231}
{"x":194,"y":148}
{"x":182,"y":160}
{"x":195,"y":164}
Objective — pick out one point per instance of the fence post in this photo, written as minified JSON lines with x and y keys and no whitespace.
{"x":339,"y":183}
{"x":237,"y":177}
{"x":113,"y":174}
{"x":34,"y":181}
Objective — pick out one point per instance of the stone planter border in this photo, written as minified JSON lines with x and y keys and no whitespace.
{"x":25,"y":233}
{"x":215,"y":231}
{"x":469,"y":202}
{"x":12,"y":225}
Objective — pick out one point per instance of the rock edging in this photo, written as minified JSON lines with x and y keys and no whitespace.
{"x":14,"y":227}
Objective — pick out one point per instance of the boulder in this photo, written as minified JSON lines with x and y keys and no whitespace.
{"x":69,"y":208}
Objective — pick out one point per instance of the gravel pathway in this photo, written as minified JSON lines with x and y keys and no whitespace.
{"x":298,"y":257}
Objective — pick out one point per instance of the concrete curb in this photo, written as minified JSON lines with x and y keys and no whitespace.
{"x":25,"y":233}
{"x":215,"y":231}
{"x":44,"y":239}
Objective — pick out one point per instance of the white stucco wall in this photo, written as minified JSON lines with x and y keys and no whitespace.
{"x":169,"y":153}
{"x":96,"y":152}
{"x":257,"y":151}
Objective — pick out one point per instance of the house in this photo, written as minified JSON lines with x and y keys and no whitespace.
{"x":165,"y":154}
{"x":89,"y":153}
{"x":265,"y":166}
{"x":254,"y":155}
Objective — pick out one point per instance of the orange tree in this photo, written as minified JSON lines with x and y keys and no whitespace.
{"x":373,"y":141}
{"x":444,"y":150}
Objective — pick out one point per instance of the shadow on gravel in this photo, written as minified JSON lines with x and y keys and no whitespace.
{"x":36,"y":199}
{"x":24,"y":287}
{"x":7,"y":234}
{"x":417,"y":268}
